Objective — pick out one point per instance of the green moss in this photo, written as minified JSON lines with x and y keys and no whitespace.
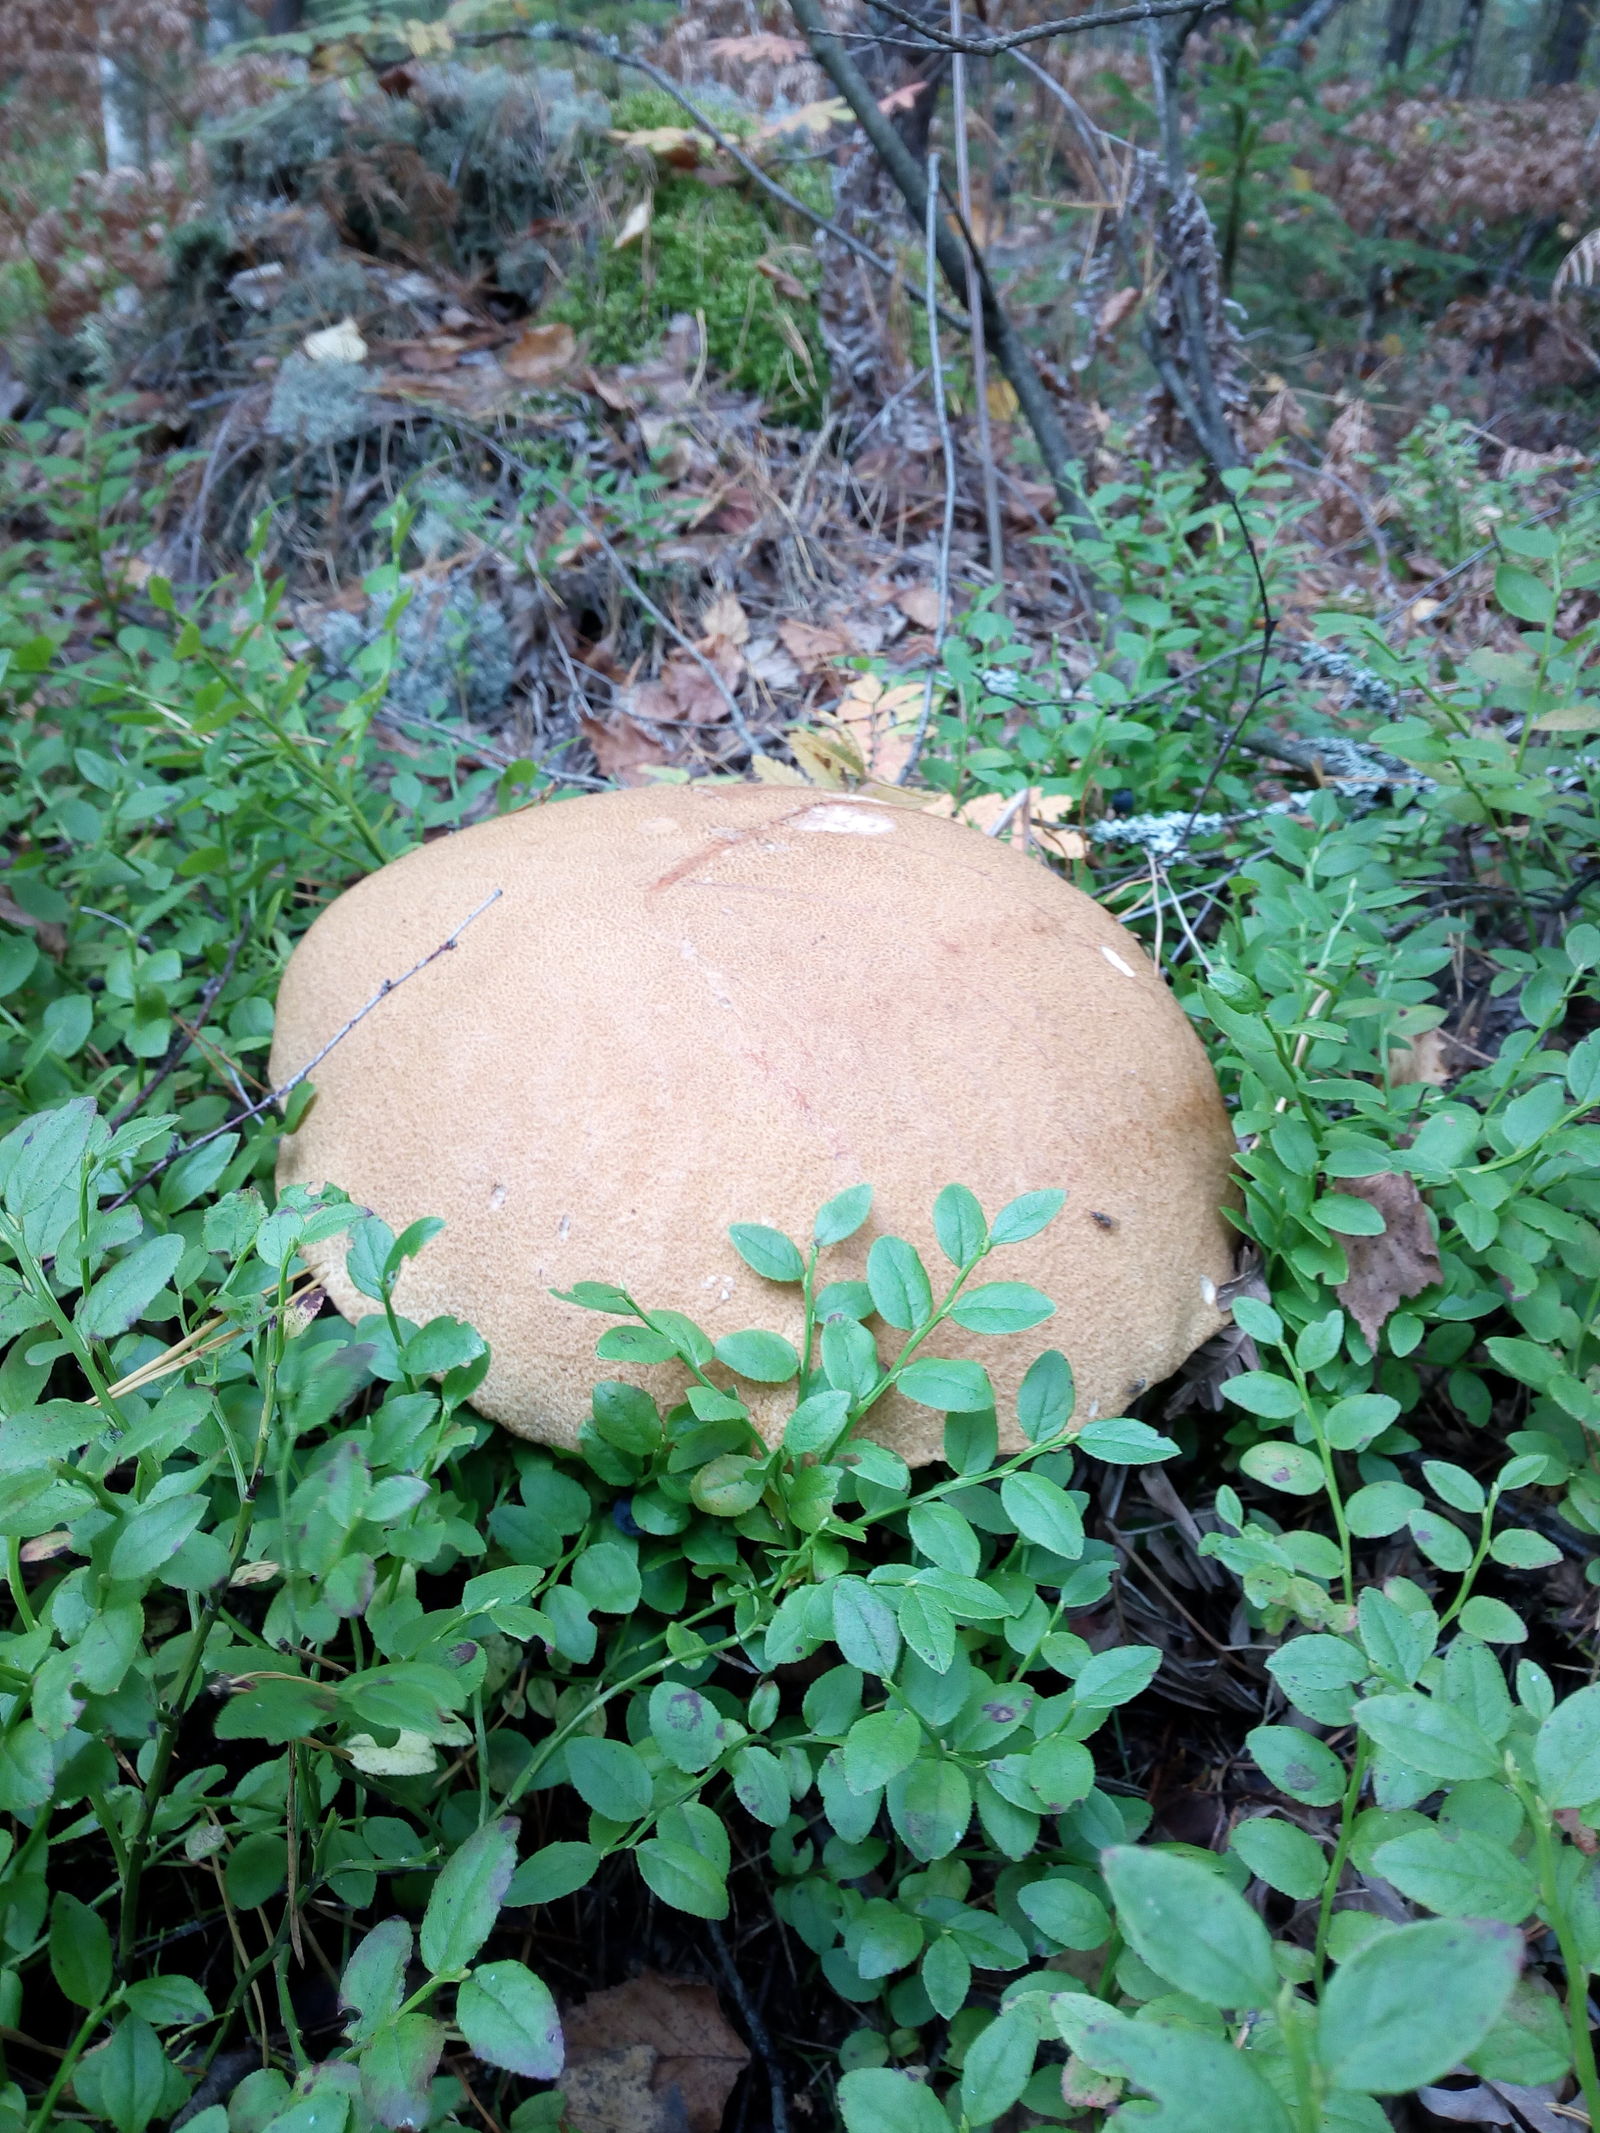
{"x":702,"y":256}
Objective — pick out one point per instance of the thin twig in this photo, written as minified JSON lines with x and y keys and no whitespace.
{"x":287,"y":1088}
{"x":184,"y":1037}
{"x":756,"y":2027}
{"x":1269,"y":625}
{"x":947,"y":523}
{"x":1065,"y":26}
{"x":980,"y":346}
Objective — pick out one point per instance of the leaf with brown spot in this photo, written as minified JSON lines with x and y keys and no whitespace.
{"x":1402,"y":1262}
{"x":51,"y":935}
{"x":675,"y":2027}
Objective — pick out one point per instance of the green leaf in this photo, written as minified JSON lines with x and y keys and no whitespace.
{"x":882,"y":1938}
{"x":1411,"y":2003}
{"x":687,"y":1727}
{"x":959,"y":1225}
{"x":1298,"y":1764}
{"x":849,"y":1357}
{"x":901,"y":1293}
{"x":1043,"y":1512}
{"x":1458,"y":1873}
{"x":634,"y":1344}
{"x":1191,"y":1927}
{"x":843,"y":1215}
{"x":126,"y":2079}
{"x":879,"y":2099}
{"x":878,"y":1747}
{"x":606,"y":1577}
{"x":999,"y":2059}
{"x":593,"y":1296}
{"x":864,"y":1627}
{"x":946,"y":1977}
{"x":728,"y":1486}
{"x":1347,"y":1216}
{"x":126,"y":1290}
{"x":258,"y":1866}
{"x":816,"y":1422}
{"x":1121,"y":1441}
{"x":1046,"y":1398}
{"x":373,"y":1986}
{"x":928,"y":1628}
{"x":167,"y":2001}
{"x":1566,"y":1751}
{"x":1202,"y":2084}
{"x":509,"y":2019}
{"x":1285,"y":1858}
{"x":609,"y":1776}
{"x":1521,"y":594}
{"x":397,"y":2070}
{"x":555,"y":1871}
{"x":40,"y":1157}
{"x":761,"y":1786}
{"x":1025,"y":1216}
{"x":768,"y":1252}
{"x":1002,"y":1307}
{"x":1429,"y":1734}
{"x":467,"y":1896}
{"x":1281,"y":1465}
{"x":950,"y":1385}
{"x":945,"y":1537}
{"x":930,"y":1805}
{"x":80,"y":1951}
{"x":1493,"y":1621}
{"x":1067,"y":1913}
{"x":685,"y":1879}
{"x":1263,"y":1392}
{"x":766,"y":1358}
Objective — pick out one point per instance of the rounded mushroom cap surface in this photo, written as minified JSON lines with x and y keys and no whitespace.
{"x":692,"y":1006}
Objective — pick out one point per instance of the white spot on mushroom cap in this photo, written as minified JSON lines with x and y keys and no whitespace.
{"x":497,"y":1199}
{"x":842,"y":820}
{"x":1116,"y":961}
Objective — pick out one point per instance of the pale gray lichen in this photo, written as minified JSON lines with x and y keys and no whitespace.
{"x":453,"y":652}
{"x":320,"y":403}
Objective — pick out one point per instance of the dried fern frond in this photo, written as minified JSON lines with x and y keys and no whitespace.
{"x":1581,"y":267}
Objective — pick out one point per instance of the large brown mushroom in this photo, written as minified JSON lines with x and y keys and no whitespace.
{"x":692,"y":1006}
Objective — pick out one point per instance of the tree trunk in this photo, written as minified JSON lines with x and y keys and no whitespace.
{"x":1404,"y":15}
{"x":1464,"y":49}
{"x":1562,"y":59}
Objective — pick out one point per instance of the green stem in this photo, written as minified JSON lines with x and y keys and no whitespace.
{"x":44,"y":2118}
{"x":1572,"y":1960}
{"x":1341,"y":1852}
{"x":19,"y":1589}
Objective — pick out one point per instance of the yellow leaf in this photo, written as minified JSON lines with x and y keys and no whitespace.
{"x":336,"y":344}
{"x":427,"y":38}
{"x":1002,"y":399}
{"x":809,"y":118}
{"x":680,"y":146}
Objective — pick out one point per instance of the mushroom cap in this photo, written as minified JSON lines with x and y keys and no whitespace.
{"x":692,"y":1006}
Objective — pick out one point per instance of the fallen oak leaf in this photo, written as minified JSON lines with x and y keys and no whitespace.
{"x":696,"y":2057}
{"x":623,"y":753}
{"x":812,"y":646}
{"x":1402,"y":1261}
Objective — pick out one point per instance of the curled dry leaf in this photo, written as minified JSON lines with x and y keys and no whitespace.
{"x":723,"y":616}
{"x":919,"y":604}
{"x":684,"y":693}
{"x":335,"y":344}
{"x":540,"y":355}
{"x":781,"y":279}
{"x":1425,"y":1059}
{"x":672,"y":2032}
{"x":1401,"y":1262}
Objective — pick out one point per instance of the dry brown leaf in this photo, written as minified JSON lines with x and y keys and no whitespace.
{"x":684,"y":693}
{"x":1424,"y":1059}
{"x":919,"y":604}
{"x":634,"y":223}
{"x":812,"y":645}
{"x":761,"y":48}
{"x":622,"y":752}
{"x":1117,"y":307}
{"x":1402,"y":1262}
{"x":724,"y":617}
{"x":540,"y":355}
{"x":1514,"y":460}
{"x":51,"y":935}
{"x":666,"y":2040}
